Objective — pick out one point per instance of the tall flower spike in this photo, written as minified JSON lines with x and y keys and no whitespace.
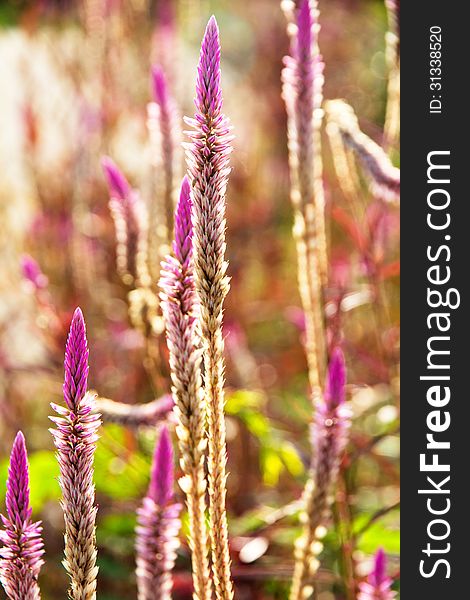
{"x":392,"y":55}
{"x":377,"y":586}
{"x":157,"y":528}
{"x":180,"y":312}
{"x":208,"y":166}
{"x":22,"y":546}
{"x":302,"y":79}
{"x":75,"y":438}
{"x":129,"y":215}
{"x":329,"y":438}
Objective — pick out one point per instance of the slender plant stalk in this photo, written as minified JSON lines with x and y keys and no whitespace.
{"x":166,"y":119}
{"x":21,"y":544}
{"x":392,"y":55}
{"x":329,"y":437}
{"x":75,"y":438}
{"x":207,"y":160}
{"x":377,"y":586}
{"x":135,"y":415}
{"x":302,"y":91}
{"x":158,"y":525}
{"x":180,"y":309}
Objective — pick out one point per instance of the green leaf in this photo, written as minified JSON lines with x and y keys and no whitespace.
{"x":119,"y":473}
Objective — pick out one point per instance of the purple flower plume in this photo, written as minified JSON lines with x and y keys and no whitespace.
{"x":207,"y":158}
{"x":75,"y":438}
{"x":377,"y":586}
{"x":331,"y":423}
{"x":158,"y":525}
{"x":302,"y":91}
{"x":128,"y":212}
{"x":180,"y":311}
{"x":21,"y":546}
{"x":329,"y":437}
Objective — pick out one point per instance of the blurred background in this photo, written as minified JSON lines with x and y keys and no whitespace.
{"x":75,"y":84}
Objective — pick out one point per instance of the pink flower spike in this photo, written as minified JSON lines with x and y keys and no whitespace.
{"x":158,"y":525}
{"x":180,"y":312}
{"x":207,"y":159}
{"x":75,"y":435}
{"x":22,"y":546}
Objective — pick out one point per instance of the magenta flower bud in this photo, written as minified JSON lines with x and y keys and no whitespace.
{"x":75,"y":438}
{"x":22,"y":546}
{"x":162,"y":477}
{"x":334,"y":394}
{"x":32,"y":272}
{"x":378,"y":584}
{"x":331,"y":421}
{"x":76,"y":362}
{"x":158,"y":525}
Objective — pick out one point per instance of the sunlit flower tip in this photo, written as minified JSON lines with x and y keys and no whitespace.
{"x":118,"y":185}
{"x":158,"y":525}
{"x":208,"y":93}
{"x":183,"y":224}
{"x":162,"y":476}
{"x":379,"y":573}
{"x":75,"y":437}
{"x":159,"y":85}
{"x":32,"y":272}
{"x":304,"y":24}
{"x":17,"y":497}
{"x":336,"y":380}
{"x":76,"y":362}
